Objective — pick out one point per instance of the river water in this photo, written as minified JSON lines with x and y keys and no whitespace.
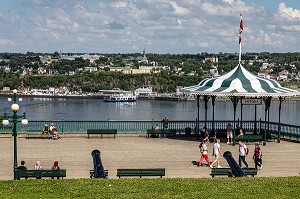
{"x":38,"y":109}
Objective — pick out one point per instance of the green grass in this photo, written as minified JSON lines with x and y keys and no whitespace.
{"x":271,"y":187}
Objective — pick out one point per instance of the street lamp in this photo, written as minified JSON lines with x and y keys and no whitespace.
{"x":15,"y":107}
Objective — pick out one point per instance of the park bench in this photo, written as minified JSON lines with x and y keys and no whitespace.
{"x":160,"y":132}
{"x":37,"y":133}
{"x":92,"y":173}
{"x":141,"y":172}
{"x":101,"y":132}
{"x":39,"y":174}
{"x":249,"y":138}
{"x":227,"y":171}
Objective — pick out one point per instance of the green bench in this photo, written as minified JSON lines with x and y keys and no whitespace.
{"x":226,"y":171}
{"x":39,"y":174}
{"x":249,"y":138}
{"x":160,"y":132}
{"x":36,"y":133}
{"x":141,"y":172}
{"x":101,"y":132}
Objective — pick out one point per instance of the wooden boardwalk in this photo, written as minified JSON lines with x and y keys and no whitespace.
{"x":176,"y":155}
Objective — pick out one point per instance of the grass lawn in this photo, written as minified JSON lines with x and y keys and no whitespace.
{"x":257,"y":187}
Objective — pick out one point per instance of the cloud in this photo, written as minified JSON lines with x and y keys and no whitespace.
{"x":9,"y":18}
{"x":288,"y":13}
{"x":162,"y":26}
{"x":179,"y":9}
{"x":4,"y":42}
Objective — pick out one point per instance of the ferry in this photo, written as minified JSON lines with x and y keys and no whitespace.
{"x":122,"y":97}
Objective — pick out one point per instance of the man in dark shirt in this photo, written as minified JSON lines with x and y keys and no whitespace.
{"x":22,"y":167}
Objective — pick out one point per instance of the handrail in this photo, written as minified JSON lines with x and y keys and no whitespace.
{"x":141,"y":126}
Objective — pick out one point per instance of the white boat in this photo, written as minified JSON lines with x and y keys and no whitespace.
{"x":122,"y":97}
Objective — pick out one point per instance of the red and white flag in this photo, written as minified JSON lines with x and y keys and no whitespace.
{"x":241,"y":29}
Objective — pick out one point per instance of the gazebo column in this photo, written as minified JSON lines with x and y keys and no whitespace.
{"x":213,"y":98}
{"x":235,"y":102}
{"x":267,"y":101}
{"x":198,"y":116}
{"x":255,"y":126}
{"x":241,"y":113}
{"x":205,"y":98}
{"x":279,"y":121}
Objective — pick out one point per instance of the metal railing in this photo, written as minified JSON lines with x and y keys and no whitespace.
{"x":140,"y":127}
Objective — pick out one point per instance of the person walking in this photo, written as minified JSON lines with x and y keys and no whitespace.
{"x":204,"y":153}
{"x":257,"y":156}
{"x":243,"y":152}
{"x":229,"y":129}
{"x":216,"y":153}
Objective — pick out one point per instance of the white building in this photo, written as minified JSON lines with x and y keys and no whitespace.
{"x":91,"y":69}
{"x":143,"y":91}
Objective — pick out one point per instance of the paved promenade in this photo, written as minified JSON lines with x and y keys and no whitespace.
{"x":176,"y":155}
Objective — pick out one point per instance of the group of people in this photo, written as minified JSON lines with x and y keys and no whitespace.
{"x":229,"y":129}
{"x":165,"y":124}
{"x":204,"y":152}
{"x":38,"y":166}
{"x":243,"y":152}
{"x":52,"y":130}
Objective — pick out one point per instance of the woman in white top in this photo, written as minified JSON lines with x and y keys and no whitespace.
{"x":216,"y":153}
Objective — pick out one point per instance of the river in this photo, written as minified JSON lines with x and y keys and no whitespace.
{"x":38,"y":109}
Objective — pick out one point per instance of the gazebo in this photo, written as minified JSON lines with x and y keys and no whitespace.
{"x":240,"y":85}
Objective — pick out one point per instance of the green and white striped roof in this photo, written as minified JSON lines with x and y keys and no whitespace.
{"x":240,"y":82}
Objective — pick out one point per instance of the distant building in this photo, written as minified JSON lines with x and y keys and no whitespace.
{"x":283,"y":75}
{"x":143,"y":91}
{"x":143,"y":59}
{"x":264,"y":74}
{"x":6,"y":88}
{"x":41,"y":71}
{"x":7,"y":69}
{"x":125,"y":70}
{"x":91,"y":69}
{"x":212,"y":59}
{"x":178,"y":92}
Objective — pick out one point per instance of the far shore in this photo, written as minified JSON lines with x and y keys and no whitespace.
{"x":103,"y":96}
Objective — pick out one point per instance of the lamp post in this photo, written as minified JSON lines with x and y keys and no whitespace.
{"x":15,"y":107}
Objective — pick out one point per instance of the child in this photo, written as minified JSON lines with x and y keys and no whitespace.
{"x":204,"y":153}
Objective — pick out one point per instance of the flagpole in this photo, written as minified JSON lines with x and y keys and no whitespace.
{"x":240,"y":38}
{"x":240,"y":55}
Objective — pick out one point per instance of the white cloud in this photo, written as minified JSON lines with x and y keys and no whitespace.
{"x":4,"y":42}
{"x":163,"y":26}
{"x":178,"y":9}
{"x":288,"y":12}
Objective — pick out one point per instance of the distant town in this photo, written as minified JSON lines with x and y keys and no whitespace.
{"x":144,"y":74}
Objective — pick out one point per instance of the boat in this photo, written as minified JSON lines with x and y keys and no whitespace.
{"x":122,"y":97}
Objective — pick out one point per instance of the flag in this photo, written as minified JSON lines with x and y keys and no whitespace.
{"x":241,"y":29}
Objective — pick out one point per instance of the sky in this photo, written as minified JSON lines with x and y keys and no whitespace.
{"x":158,"y":26}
